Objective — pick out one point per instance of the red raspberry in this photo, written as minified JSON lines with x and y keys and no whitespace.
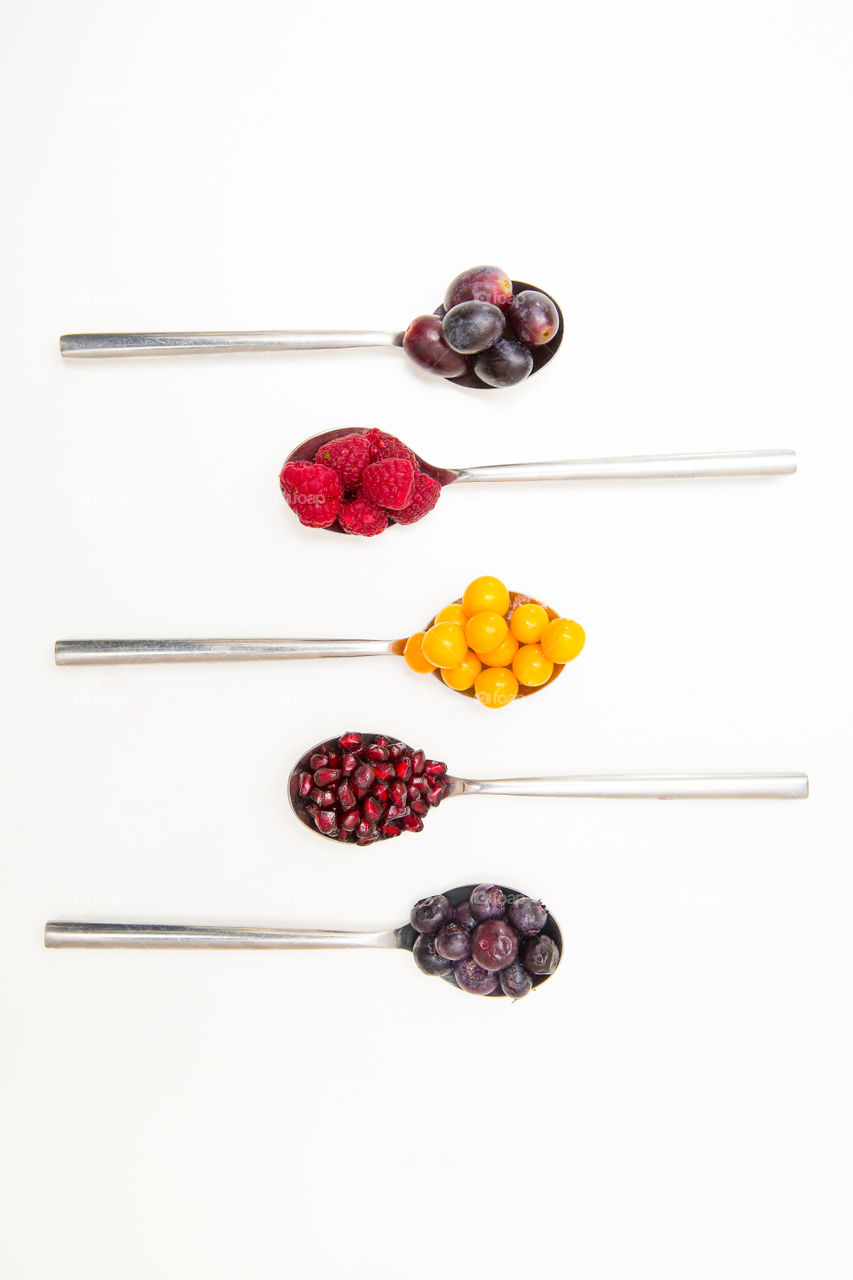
{"x":313,"y":491}
{"x":348,"y":455}
{"x":425,"y":494}
{"x":361,"y":516}
{"x":384,"y":446}
{"x":389,"y":483}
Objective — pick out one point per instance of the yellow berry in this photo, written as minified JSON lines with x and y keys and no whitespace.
{"x":496,"y":687}
{"x":528,"y":622}
{"x":503,"y":655}
{"x":486,"y":594}
{"x":531,"y":666}
{"x":463,"y":676}
{"x":444,"y":644}
{"x":452,"y":613}
{"x":414,"y":654}
{"x":562,"y":640}
{"x":485,"y":631}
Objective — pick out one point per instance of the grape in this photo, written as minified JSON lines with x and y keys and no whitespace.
{"x":494,"y":945}
{"x":427,"y":958}
{"x":473,"y":978}
{"x":425,"y":345}
{"x":527,"y":916}
{"x":504,"y":364}
{"x":470,"y":327}
{"x":540,"y":955}
{"x":515,"y":980}
{"x":535,"y":318}
{"x":479,"y":284}
{"x":487,"y":902}
{"x":431,"y":914}
{"x":453,"y":942}
{"x":463,"y":915}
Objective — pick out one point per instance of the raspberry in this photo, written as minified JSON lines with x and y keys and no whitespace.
{"x":425,"y":494}
{"x":384,"y":446}
{"x":348,"y":455}
{"x":361,"y":516}
{"x":313,"y":491}
{"x":389,"y":483}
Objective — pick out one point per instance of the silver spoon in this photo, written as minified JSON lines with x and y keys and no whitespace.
{"x":671,"y":466}
{"x":87,"y":346}
{"x":364,"y":787}
{"x":65,"y":933}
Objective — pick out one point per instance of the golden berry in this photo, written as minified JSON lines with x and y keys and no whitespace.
{"x":528,"y":622}
{"x":562,"y":640}
{"x":463,"y":676}
{"x":444,"y":644}
{"x":486,"y":594}
{"x":414,"y":654}
{"x":495,"y":687}
{"x":531,"y":666}
{"x":485,"y":631}
{"x":452,"y":613}
{"x":503,"y":655}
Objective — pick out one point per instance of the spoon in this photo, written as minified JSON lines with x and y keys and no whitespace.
{"x":113,"y":652}
{"x":94,"y":345}
{"x":683,"y":466}
{"x":63,"y":933}
{"x":364,"y":787}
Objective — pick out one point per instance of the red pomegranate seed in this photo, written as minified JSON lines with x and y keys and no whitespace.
{"x":418,"y":762}
{"x":325,"y":777}
{"x":397,"y":811}
{"x":418,"y":807}
{"x":396,"y":750}
{"x":346,"y":796}
{"x":363,"y":829}
{"x":384,"y":770}
{"x":380,"y":790}
{"x":306,"y":784}
{"x":349,"y":764}
{"x":326,"y":823}
{"x":404,"y":768}
{"x":349,"y":740}
{"x":381,"y":742}
{"x":434,"y":768}
{"x":435,"y":794}
{"x":376,"y":752}
{"x":391,"y":829}
{"x":371,"y":809}
{"x":412,"y":823}
{"x":318,"y":761}
{"x":364,"y":776}
{"x":398,"y":792}
{"x":351,"y":821}
{"x":419,"y":785}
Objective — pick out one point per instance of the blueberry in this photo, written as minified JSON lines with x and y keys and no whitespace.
{"x":527,"y":916}
{"x":515,"y":980}
{"x":504,"y":364}
{"x":463,"y":915}
{"x":470,"y":327}
{"x":487,"y":902}
{"x":540,"y":955}
{"x":427,"y":958}
{"x":534,"y":316}
{"x":471,"y":977}
{"x":494,"y":945}
{"x":453,"y":942}
{"x":431,"y":914}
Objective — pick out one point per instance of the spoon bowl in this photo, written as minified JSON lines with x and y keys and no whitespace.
{"x":541,"y":355}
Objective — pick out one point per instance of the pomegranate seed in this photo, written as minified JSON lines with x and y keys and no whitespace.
{"x":376,"y":753}
{"x":364,"y":776}
{"x":380,"y":741}
{"x":397,"y":811}
{"x":351,"y":821}
{"x":349,"y":764}
{"x":420,"y":785}
{"x":391,"y":829}
{"x":306,"y":784}
{"x":396,"y":750}
{"x":435,"y":794}
{"x":384,"y":770}
{"x":380,"y":790}
{"x":325,"y":777}
{"x":419,"y":808}
{"x":318,"y":761}
{"x":326,"y":823}
{"x":412,"y":823}
{"x":398,"y":792}
{"x":404,"y":768}
{"x":346,"y":796}
{"x":364,"y":828}
{"x":349,"y":740}
{"x":418,"y":762}
{"x":371,"y":809}
{"x":434,"y":768}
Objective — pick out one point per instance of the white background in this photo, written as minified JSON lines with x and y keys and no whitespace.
{"x":677,"y":1101}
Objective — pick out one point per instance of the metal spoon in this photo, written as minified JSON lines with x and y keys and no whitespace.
{"x":683,"y":466}
{"x":94,"y":345}
{"x":420,"y":779}
{"x":113,"y":652}
{"x":64,"y":933}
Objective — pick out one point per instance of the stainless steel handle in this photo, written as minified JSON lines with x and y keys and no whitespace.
{"x":100,"y":652}
{"x":647,"y":786}
{"x":758,"y":462}
{"x":66,"y":933}
{"x":86,"y":346}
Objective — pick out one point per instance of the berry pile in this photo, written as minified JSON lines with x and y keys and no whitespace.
{"x":364,"y":787}
{"x":494,"y":643}
{"x":492,"y":939}
{"x":361,"y":483}
{"x":484,"y":331}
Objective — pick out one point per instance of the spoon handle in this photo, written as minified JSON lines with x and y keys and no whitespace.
{"x":65,"y":933}
{"x":647,"y":786}
{"x":86,"y":346}
{"x":756,"y":462}
{"x":109,"y":652}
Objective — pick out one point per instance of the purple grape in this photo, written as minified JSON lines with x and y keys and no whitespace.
{"x":470,"y":327}
{"x":527,"y":916}
{"x":535,"y":318}
{"x":515,"y":980}
{"x":431,"y":914}
{"x":463,"y":915}
{"x":504,"y":364}
{"x":540,"y":955}
{"x":479,"y":284}
{"x":427,"y":958}
{"x":494,"y":945}
{"x":473,"y":978}
{"x":487,"y":902}
{"x":424,"y":344}
{"x":453,"y":942}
